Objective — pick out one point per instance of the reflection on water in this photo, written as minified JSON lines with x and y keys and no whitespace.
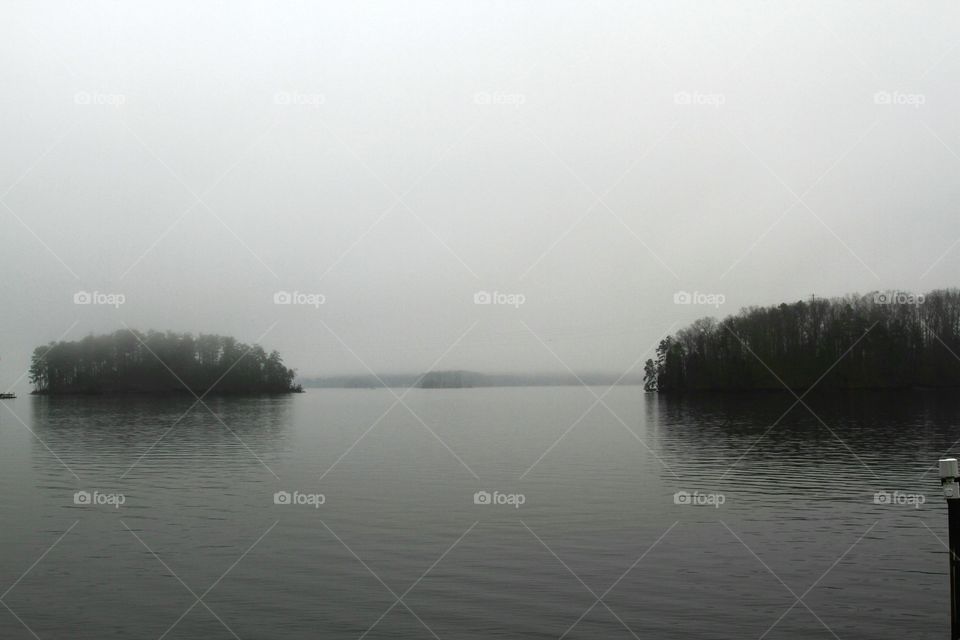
{"x":798,"y":515}
{"x":123,"y":425}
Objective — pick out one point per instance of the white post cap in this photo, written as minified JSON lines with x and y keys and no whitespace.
{"x":949,"y":468}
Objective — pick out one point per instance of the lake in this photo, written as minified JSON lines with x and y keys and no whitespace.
{"x":475,"y":513}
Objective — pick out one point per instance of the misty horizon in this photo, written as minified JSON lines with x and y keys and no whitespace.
{"x":395,"y":162}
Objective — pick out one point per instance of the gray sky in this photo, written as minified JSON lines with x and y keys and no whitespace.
{"x":396,"y":158}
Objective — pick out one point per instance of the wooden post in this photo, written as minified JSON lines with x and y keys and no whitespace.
{"x":949,"y":474}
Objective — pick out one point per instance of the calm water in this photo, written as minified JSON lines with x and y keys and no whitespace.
{"x":598,"y":520}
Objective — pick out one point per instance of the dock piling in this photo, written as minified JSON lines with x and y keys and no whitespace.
{"x":949,"y":475}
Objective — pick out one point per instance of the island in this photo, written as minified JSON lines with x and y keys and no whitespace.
{"x":452,"y":380}
{"x":881,"y":340}
{"x":127,"y":361}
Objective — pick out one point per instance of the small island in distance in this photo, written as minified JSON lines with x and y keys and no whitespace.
{"x":158,"y":362}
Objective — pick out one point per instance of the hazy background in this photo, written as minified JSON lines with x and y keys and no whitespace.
{"x":197,"y":157}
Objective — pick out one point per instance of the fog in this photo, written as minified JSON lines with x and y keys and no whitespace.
{"x":388,"y":162}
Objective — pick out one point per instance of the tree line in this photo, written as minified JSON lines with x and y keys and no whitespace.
{"x":877,"y":340}
{"x":131,"y":361}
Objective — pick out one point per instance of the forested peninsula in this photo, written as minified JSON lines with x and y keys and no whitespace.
{"x":881,"y":340}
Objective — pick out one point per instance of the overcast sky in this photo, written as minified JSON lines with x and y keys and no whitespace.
{"x":396,"y":158}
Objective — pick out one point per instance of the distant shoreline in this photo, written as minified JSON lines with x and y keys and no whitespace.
{"x":486,"y":386}
{"x":668,"y":394}
{"x":461,"y":379}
